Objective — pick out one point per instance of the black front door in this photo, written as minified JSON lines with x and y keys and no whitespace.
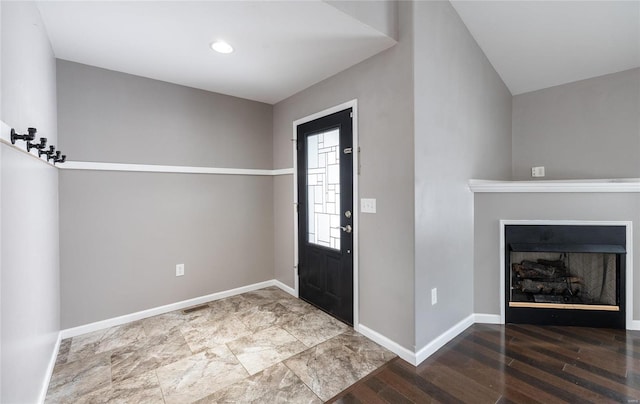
{"x":325,"y":214}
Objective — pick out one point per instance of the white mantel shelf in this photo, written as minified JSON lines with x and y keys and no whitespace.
{"x":600,"y":185}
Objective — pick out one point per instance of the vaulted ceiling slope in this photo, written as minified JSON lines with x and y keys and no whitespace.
{"x":539,"y":44}
{"x":281,"y":47}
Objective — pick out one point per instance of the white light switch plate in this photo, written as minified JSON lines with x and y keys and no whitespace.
{"x":368,"y":205}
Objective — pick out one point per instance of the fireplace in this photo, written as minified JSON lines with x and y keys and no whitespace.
{"x":565,"y":275}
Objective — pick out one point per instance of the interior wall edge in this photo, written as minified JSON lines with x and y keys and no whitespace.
{"x":441,"y":340}
{"x":49,"y":373}
{"x":418,"y":356}
{"x":403,"y":352}
{"x":285,"y":287}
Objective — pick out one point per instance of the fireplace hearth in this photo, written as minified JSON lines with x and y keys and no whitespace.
{"x":565,"y":275}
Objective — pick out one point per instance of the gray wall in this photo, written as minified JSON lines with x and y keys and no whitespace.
{"x":462,"y":131}
{"x":116,"y":117}
{"x":29,"y":291}
{"x":586,"y":129}
{"x":384,"y":88}
{"x":123,"y":233}
{"x":491,"y":207}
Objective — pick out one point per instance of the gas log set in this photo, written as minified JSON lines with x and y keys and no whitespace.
{"x":545,"y":281}
{"x":571,"y":275}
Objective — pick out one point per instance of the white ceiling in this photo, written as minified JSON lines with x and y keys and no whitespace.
{"x":280,"y":47}
{"x":283,"y":47}
{"x":539,"y":44}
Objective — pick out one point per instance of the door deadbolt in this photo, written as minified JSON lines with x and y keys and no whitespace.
{"x":347,"y":214}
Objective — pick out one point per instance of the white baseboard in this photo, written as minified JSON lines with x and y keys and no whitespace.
{"x":391,"y":345}
{"x":127,"y":318}
{"x":284,"y":287}
{"x":418,"y":357}
{"x":49,"y":373}
{"x":482,"y":318}
{"x":633,"y":325}
{"x":442,"y":339}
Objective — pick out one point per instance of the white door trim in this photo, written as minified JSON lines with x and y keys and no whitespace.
{"x":353,"y":104}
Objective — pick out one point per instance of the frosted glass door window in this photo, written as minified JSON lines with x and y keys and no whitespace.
{"x":323,"y":188}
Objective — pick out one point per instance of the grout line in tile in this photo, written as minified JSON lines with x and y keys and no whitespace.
{"x":294,"y":337}
{"x":303,"y":382}
{"x":155,"y":372}
{"x":110,"y":370}
{"x":238,"y":359}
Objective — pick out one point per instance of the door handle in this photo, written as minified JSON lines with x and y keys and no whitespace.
{"x":347,"y":228}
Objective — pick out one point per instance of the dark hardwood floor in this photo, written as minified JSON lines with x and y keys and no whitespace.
{"x":514,"y":364}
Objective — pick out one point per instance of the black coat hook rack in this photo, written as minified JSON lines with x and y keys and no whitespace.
{"x":31,"y":134}
{"x":48,"y":153}
{"x":51,"y":154}
{"x":38,"y":146}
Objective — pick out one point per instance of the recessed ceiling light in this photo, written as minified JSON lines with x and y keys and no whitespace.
{"x":221,"y":47}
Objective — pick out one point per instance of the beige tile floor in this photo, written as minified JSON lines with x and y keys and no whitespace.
{"x":263,"y":346}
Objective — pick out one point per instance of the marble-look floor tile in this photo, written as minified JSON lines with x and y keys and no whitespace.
{"x":72,"y":380}
{"x":368,"y":351}
{"x":180,"y":357}
{"x":265,"y":348}
{"x":131,"y":334}
{"x":330,"y":367}
{"x":200,"y":375}
{"x":277,"y":385}
{"x":202,"y":315}
{"x":85,"y":345}
{"x":298,"y":306}
{"x":314,"y":328}
{"x":164,"y":323}
{"x":329,"y":372}
{"x":276,"y":293}
{"x":260,"y":317}
{"x":127,"y":335}
{"x":209,"y":334}
{"x":63,"y":351}
{"x":229,"y":306}
{"x":160,"y":350}
{"x":265,"y":296}
{"x":142,"y":389}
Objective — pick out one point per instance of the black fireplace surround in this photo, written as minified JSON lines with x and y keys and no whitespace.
{"x":565,"y":275}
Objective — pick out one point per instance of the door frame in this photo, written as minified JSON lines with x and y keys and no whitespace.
{"x":353,"y":104}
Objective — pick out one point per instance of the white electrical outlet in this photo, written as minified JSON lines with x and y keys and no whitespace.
{"x":434,"y":296}
{"x":537,"y":171}
{"x":179,"y":269}
{"x":368,"y":205}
